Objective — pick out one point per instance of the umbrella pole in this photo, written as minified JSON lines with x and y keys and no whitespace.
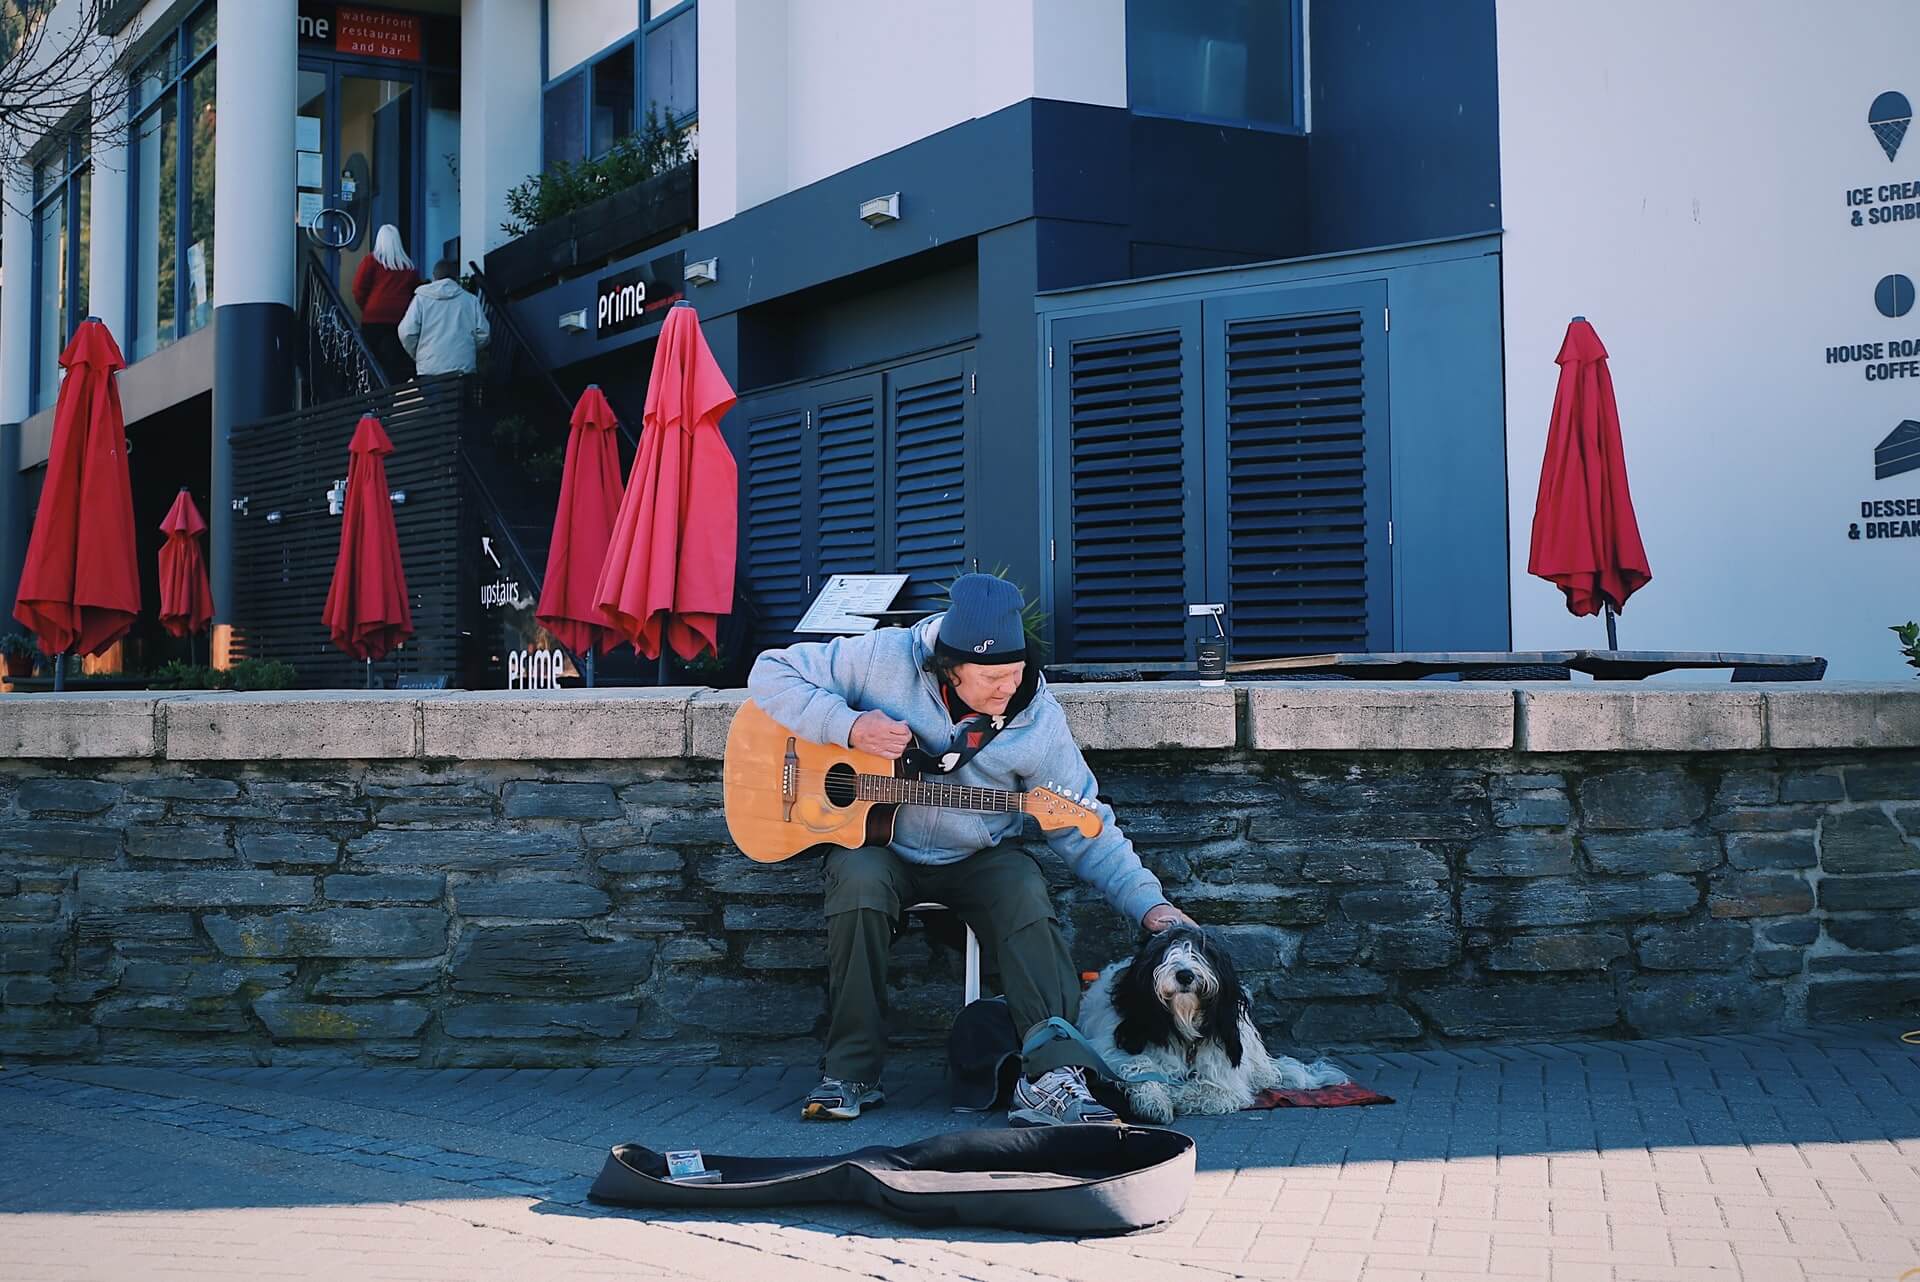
{"x":60,"y":671}
{"x":1613,"y":642}
{"x":588,"y":667}
{"x":662,"y":680}
{"x":369,"y":674}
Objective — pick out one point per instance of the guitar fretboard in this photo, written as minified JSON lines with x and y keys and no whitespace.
{"x":918,"y":792}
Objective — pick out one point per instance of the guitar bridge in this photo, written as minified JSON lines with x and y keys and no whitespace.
{"x":789,"y":782}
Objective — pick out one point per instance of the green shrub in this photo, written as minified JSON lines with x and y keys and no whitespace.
{"x":541,"y":198}
{"x":260,"y":674}
{"x":175,"y":675}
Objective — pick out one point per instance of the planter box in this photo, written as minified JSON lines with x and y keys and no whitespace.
{"x":612,"y":227}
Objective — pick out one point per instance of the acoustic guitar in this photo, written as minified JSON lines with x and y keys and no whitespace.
{"x":786,"y":796}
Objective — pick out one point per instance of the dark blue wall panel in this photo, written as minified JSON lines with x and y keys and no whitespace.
{"x":1444,"y":410}
{"x":1406,"y":137}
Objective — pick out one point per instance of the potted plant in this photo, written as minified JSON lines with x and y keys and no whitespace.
{"x":1909,"y":634}
{"x":19,"y":655}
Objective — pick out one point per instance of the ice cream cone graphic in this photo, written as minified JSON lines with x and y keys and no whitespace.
{"x":1888,"y":118}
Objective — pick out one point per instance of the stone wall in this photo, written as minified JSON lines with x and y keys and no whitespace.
{"x":471,"y":879}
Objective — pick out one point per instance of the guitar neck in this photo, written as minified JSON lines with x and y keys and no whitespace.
{"x":953,"y":796}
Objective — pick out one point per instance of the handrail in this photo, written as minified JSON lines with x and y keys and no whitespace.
{"x":502,"y":319}
{"x":330,"y":324}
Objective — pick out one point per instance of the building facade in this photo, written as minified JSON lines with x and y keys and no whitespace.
{"x":1147,"y":304}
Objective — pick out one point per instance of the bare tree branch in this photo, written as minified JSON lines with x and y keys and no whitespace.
{"x":59,"y":73}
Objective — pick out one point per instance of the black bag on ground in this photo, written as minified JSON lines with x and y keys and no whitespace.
{"x":1079,"y":1180}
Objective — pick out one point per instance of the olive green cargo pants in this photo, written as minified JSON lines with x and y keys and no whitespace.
{"x":999,"y":892}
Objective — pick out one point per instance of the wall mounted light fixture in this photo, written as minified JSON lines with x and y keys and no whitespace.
{"x":702,"y":271}
{"x":881,"y":210}
{"x":574,"y":322}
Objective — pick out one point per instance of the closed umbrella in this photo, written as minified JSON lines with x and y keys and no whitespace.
{"x":186,"y":601}
{"x":669,"y":567}
{"x":366,"y":612}
{"x":582,"y":527}
{"x":1585,"y":538}
{"x":80,"y":586}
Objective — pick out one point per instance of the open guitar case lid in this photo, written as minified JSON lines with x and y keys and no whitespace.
{"x":1079,"y":1180}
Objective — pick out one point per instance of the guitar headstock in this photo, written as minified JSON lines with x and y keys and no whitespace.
{"x":1059,"y":809}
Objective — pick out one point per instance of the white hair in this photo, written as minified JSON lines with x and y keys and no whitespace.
{"x":388,"y":251}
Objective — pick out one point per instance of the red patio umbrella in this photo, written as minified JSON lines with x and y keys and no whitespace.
{"x":1585,"y":538}
{"x":670,"y":562}
{"x":80,"y":586}
{"x":582,"y":526}
{"x":186,"y":601}
{"x":366,"y":611}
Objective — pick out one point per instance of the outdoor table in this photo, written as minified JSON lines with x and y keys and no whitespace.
{"x":1603,"y":665}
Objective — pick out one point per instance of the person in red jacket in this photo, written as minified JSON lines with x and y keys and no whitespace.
{"x":384,"y":287}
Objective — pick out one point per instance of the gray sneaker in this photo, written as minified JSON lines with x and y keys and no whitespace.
{"x":836,"y":1100}
{"x":1059,"y":1098}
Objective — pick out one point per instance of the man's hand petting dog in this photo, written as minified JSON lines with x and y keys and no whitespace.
{"x":1164,"y":917}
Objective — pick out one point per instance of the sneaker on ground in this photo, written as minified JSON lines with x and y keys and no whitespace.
{"x":1059,"y":1098}
{"x":836,"y":1100}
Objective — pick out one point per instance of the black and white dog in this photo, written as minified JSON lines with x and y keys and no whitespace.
{"x":1178,"y":1009}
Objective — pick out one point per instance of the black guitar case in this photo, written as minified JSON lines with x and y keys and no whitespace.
{"x":1078,"y":1180}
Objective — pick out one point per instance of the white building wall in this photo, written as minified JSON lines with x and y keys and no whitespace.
{"x":792,"y":92}
{"x":1678,"y":173}
{"x":499,"y":114}
{"x":578,"y":29}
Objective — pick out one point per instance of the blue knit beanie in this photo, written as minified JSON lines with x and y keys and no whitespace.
{"x":982,"y":623}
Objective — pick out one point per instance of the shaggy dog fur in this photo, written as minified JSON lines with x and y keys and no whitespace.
{"x":1178,"y":1009}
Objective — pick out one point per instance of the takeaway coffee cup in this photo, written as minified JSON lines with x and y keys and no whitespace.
{"x":1212,"y":654}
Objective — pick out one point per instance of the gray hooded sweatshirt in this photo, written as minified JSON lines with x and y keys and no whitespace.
{"x":818,"y":690}
{"x":444,"y":328}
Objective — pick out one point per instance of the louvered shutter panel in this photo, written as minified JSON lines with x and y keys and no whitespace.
{"x":1297,"y":485}
{"x":1126,"y":397}
{"x":928,"y":479}
{"x":775,"y":520}
{"x":848,"y":466}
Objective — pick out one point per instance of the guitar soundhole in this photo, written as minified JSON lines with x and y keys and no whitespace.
{"x":843,"y":785}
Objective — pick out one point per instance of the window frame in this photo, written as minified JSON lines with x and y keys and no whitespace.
{"x":73,"y":143}
{"x":1297,"y":47}
{"x":179,"y":85}
{"x":588,"y":66}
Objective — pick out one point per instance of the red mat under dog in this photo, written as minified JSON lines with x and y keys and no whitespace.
{"x":1343,"y":1096}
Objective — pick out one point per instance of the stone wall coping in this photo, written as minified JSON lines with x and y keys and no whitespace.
{"x":1349,"y":716}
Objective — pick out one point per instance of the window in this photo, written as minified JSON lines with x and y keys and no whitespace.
{"x":613,"y":98}
{"x":1227,"y":60}
{"x":563,"y":137}
{"x":598,"y":100}
{"x":173,"y":102}
{"x":62,"y":196}
{"x":672,"y":59}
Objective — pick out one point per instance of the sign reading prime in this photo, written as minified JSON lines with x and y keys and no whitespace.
{"x":631,"y":298}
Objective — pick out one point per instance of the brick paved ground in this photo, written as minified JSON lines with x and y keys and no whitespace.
{"x":1771,"y":1158}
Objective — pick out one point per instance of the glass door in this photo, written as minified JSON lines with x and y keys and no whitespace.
{"x":359,"y":164}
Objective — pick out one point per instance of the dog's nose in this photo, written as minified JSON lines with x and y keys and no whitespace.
{"x":1184,"y":976}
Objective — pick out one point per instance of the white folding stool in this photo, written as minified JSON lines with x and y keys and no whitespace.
{"x":972,"y":988}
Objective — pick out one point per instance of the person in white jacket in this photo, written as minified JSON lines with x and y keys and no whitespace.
{"x":445,"y":327}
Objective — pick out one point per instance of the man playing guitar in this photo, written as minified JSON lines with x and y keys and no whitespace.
{"x":959,"y":684}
